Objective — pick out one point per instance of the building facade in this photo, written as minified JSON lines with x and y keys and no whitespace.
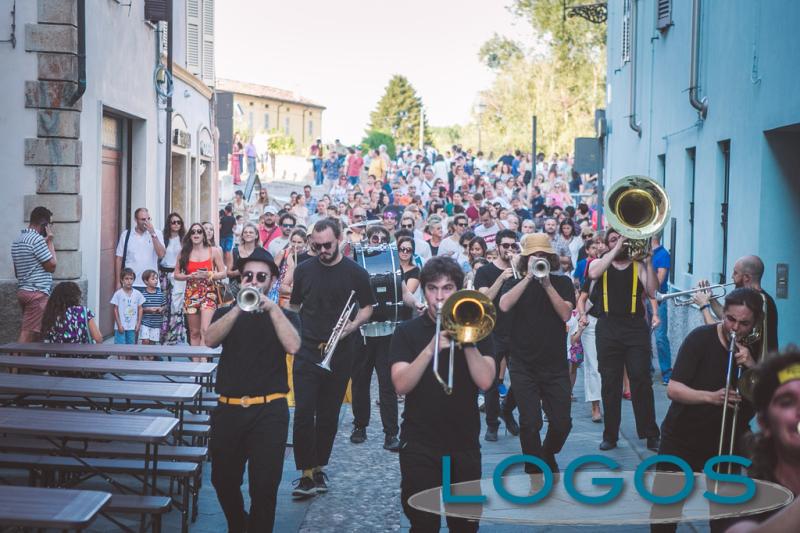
{"x":94,"y":157}
{"x":252,"y":110}
{"x":702,"y":97}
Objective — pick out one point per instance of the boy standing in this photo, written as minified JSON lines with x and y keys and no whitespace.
{"x":127,"y":309}
{"x":152,"y":309}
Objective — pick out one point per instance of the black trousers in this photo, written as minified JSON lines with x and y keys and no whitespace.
{"x":421,"y":469}
{"x":318,"y":396}
{"x":625,"y":343}
{"x":374,"y":354}
{"x":536,"y":390}
{"x":255,"y":436}
{"x":492,"y":396}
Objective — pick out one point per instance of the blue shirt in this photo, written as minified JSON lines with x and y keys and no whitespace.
{"x":580,"y":270}
{"x":661,"y":259}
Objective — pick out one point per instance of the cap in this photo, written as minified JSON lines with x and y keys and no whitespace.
{"x":260,"y":255}
{"x":586,"y":231}
{"x":536,"y":242}
{"x":271,"y":209}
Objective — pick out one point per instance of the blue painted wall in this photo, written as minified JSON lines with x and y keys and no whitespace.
{"x":748,"y":70}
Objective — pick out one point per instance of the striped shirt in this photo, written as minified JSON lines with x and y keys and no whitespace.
{"x":29,"y":252}
{"x":153,"y":299}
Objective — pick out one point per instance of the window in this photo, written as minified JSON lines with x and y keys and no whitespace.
{"x":266,"y":121}
{"x":626,"y":32}
{"x":286,"y":126}
{"x":200,"y":39}
{"x":690,"y":178}
{"x":310,"y":127}
{"x":724,"y":170}
{"x":664,"y":15}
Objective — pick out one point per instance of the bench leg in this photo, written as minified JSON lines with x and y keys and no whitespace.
{"x":185,"y":506}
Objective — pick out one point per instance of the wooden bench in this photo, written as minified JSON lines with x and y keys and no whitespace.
{"x":105,"y":449}
{"x":42,"y":469}
{"x":35,"y":507}
{"x":152,"y":506}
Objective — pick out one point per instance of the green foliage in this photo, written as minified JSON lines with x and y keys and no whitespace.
{"x":280,"y":144}
{"x":499,"y":51}
{"x":398,"y":111}
{"x":376,"y":138}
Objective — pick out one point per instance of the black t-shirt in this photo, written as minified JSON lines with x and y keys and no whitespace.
{"x":253,"y":360}
{"x":538,"y":334}
{"x":431,"y":417}
{"x":413,"y":273}
{"x":323,"y":292}
{"x":701,"y":364}
{"x":226,"y":225}
{"x":434,"y":250}
{"x":485,"y":277}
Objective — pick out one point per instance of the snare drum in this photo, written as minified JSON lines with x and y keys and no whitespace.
{"x":386,"y":278}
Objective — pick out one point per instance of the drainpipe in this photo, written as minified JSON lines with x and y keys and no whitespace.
{"x":78,"y":94}
{"x":700,"y":104}
{"x":168,"y":144}
{"x":635,"y":126}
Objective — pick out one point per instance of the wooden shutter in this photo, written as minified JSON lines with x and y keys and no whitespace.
{"x":664,"y":14}
{"x":193,"y":36}
{"x":207,"y":70}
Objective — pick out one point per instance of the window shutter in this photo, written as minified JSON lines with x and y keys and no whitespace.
{"x":626,"y":32}
{"x":156,"y":10}
{"x":664,"y":20}
{"x":163,"y":27}
{"x":207,"y":71}
{"x":193,"y":36}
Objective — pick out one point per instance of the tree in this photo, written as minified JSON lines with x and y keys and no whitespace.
{"x":498,"y":51}
{"x":280,"y":144}
{"x":375,"y":139}
{"x":398,"y":111}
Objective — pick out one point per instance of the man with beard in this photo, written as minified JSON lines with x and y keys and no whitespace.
{"x":538,"y":310}
{"x":321,"y":289}
{"x":287,"y":224}
{"x":489,"y":280}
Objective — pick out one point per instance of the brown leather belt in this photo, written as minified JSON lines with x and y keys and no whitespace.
{"x":247,"y":401}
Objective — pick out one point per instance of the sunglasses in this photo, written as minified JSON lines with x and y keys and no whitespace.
{"x":197,"y":232}
{"x":404,"y":250}
{"x":261,"y":277}
{"x":359,"y":217}
{"x":176,"y":222}
{"x":462,"y":224}
{"x":323,"y":245}
{"x":290,"y":226}
{"x":407,"y":226}
{"x":377,"y":239}
{"x":507,"y":245}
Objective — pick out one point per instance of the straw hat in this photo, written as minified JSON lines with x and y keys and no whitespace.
{"x":536,"y":242}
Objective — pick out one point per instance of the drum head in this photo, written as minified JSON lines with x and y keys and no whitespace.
{"x":385,"y":277}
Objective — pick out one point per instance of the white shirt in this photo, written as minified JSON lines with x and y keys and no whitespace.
{"x":450,"y":247}
{"x":128,"y":306}
{"x":170,"y":258}
{"x":488,"y":234}
{"x":277,"y":245}
{"x":141,"y":254}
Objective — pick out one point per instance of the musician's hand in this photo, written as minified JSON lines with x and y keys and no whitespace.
{"x":703,"y":297}
{"x":718,"y":397}
{"x":266,"y":304}
{"x":507,"y":273}
{"x":347,"y":329}
{"x":444,"y":341}
{"x":421,"y":306}
{"x":743,"y":357}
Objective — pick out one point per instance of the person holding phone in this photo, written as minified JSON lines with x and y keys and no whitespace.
{"x":34,"y":257}
{"x":139,"y":249}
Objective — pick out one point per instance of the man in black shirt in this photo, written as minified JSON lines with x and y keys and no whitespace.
{"x":489,"y":280}
{"x":322,"y":286}
{"x":747,"y":273}
{"x":697,"y":386}
{"x":623,"y":338}
{"x":251,"y":422}
{"x":538,"y":311}
{"x":436,"y":424}
{"x":226,"y":224}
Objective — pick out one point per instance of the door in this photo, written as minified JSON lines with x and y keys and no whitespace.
{"x":109,"y":215}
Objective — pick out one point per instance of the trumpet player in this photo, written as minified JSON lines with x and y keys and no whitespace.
{"x":251,"y":423}
{"x":747,"y":273}
{"x":489,"y":280}
{"x":538,"y":306}
{"x":436,"y":424}
{"x":623,"y":338}
{"x":321,"y":289}
{"x":694,"y":425}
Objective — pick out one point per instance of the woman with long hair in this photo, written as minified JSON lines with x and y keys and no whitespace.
{"x":200,"y":264}
{"x":294,"y":254}
{"x":261,"y":202}
{"x":405,"y":250}
{"x":247,"y":245}
{"x":236,"y":163}
{"x":65,"y":320}
{"x":559,"y":196}
{"x":568,"y":239}
{"x":173,"y":329}
{"x":300,"y":210}
{"x":477,"y":248}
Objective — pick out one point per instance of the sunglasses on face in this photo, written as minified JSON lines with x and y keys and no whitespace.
{"x":507,"y":245}
{"x":261,"y":277}
{"x":287,"y":225}
{"x":197,"y":232}
{"x":323,"y":245}
{"x":358,"y":217}
{"x":462,"y":224}
{"x":377,"y":239}
{"x":407,"y":226}
{"x":180,"y":222}
{"x":404,"y":250}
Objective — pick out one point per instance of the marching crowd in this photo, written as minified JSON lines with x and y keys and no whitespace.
{"x":457,"y":219}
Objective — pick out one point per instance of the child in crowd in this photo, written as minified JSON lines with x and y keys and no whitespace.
{"x":152,"y":309}
{"x":574,"y":346}
{"x":127,"y":303}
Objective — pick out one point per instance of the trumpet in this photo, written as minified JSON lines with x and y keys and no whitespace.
{"x":540,"y":267}
{"x":468,"y":316}
{"x":249,"y":300}
{"x":329,"y":347}
{"x":681,"y":296}
{"x":514,"y":270}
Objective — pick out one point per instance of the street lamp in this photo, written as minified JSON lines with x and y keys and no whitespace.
{"x":481,"y":107}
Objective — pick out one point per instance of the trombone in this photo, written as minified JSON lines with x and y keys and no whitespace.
{"x":728,"y":376}
{"x":329,"y":347}
{"x":683,"y":298}
{"x":468,"y":316}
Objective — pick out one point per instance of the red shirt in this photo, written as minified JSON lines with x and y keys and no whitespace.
{"x":266,"y":236}
{"x":354,"y":165}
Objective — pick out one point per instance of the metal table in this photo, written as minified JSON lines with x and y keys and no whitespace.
{"x":50,"y":508}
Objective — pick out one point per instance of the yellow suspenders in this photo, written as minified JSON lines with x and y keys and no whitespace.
{"x":633,"y":293}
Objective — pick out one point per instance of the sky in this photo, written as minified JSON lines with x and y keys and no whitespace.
{"x":343,"y":53}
